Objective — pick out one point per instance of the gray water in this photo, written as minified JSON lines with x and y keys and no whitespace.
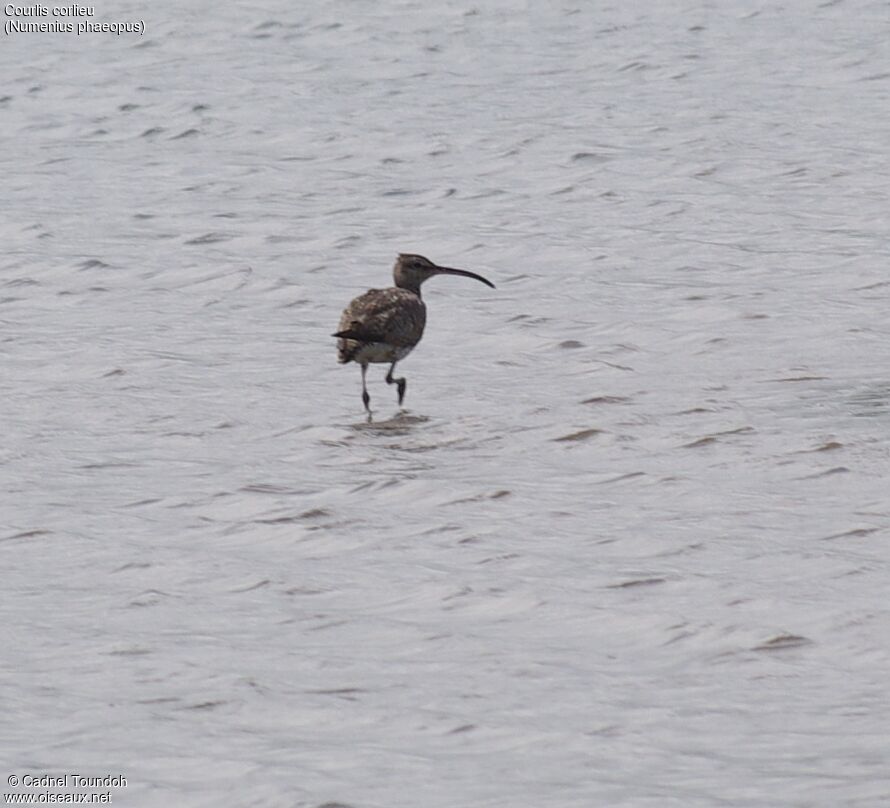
{"x":627,"y":545}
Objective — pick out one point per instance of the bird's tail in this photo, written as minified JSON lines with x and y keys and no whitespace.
{"x":346,"y":346}
{"x":350,"y":333}
{"x":352,"y":338}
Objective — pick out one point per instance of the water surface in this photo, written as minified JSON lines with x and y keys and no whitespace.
{"x":628,"y":543}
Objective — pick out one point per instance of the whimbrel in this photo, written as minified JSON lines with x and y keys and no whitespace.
{"x":384,"y":325}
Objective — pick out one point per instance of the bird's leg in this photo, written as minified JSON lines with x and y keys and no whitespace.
{"x":366,"y":399}
{"x":400,"y":382}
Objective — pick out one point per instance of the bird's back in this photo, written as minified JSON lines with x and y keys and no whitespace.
{"x":392,"y":317}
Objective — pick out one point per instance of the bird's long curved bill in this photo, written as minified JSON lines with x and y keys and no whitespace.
{"x":465,"y":274}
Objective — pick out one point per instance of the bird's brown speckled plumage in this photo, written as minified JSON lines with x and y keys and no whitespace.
{"x":384,"y":325}
{"x":381,"y":317}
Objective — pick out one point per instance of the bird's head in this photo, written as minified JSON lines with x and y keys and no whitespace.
{"x":410,"y":271}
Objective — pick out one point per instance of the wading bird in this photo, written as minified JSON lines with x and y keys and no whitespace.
{"x":384,"y":325}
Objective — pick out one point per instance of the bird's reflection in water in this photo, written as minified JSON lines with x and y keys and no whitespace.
{"x":402,"y":423}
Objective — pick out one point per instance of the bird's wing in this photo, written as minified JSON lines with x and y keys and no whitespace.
{"x":394,"y":316}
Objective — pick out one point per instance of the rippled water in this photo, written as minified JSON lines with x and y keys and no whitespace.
{"x":628,"y":543}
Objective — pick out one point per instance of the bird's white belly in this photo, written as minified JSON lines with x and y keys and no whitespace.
{"x":381,"y":352}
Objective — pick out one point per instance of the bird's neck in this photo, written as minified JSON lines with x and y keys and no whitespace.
{"x":414,"y":288}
